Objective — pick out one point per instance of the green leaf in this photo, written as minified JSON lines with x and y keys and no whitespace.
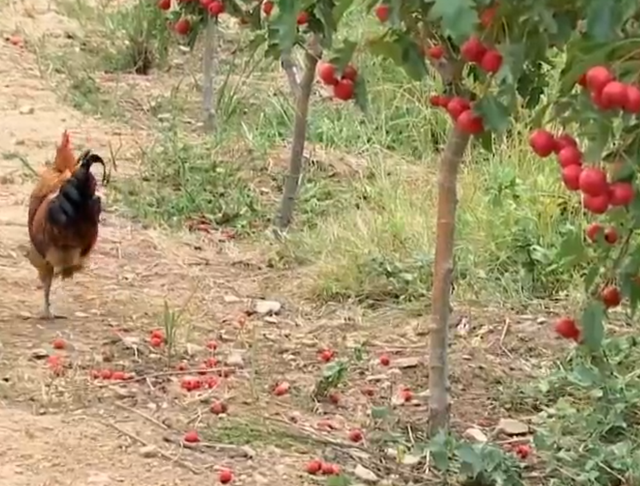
{"x":591,"y":276}
{"x":342,"y":6}
{"x":360,"y":94}
{"x":572,"y":249}
{"x":592,"y":322}
{"x":458,"y":17}
{"x":413,"y":59}
{"x":471,"y":461}
{"x":383,"y":47}
{"x":284,"y":24}
{"x":379,"y":413}
{"x":342,"y":55}
{"x":340,"y":480}
{"x":438,"y":446}
{"x":324,"y":11}
{"x":628,"y":275}
{"x":601,"y":24}
{"x":584,"y":376}
{"x":634,"y":213}
{"x":486,"y":141}
{"x":496,"y":115}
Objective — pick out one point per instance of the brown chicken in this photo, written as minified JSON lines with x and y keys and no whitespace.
{"x":64,"y":213}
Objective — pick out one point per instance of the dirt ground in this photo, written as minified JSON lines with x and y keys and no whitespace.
{"x":75,"y":430}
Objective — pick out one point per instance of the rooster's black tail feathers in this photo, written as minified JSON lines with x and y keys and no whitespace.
{"x":77,"y":193}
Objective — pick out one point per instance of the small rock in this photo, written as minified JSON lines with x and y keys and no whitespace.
{"x":27,"y":110}
{"x":39,"y":353}
{"x":410,"y":459}
{"x":407,"y":362}
{"x":148,"y":451}
{"x":235,"y":359}
{"x":99,"y":479}
{"x":25,"y":315}
{"x":406,"y":459}
{"x":230,"y":299}
{"x":193,"y":349}
{"x":542,"y":320}
{"x":270,"y":320}
{"x":81,"y":314}
{"x":475,"y":434}
{"x":512,"y":427}
{"x":365,"y":474}
{"x":122,"y":392}
{"x":131,"y":341}
{"x":247,"y":452}
{"x":267,"y":307}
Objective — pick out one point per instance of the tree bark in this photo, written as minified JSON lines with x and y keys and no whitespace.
{"x":292,"y":181}
{"x":450,"y":160}
{"x":291,"y":71}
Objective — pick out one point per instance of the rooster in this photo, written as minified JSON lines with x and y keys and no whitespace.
{"x":64,"y":213}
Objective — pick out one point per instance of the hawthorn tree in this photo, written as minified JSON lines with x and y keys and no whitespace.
{"x":188,"y":19}
{"x":496,"y":59}
{"x":281,"y":27}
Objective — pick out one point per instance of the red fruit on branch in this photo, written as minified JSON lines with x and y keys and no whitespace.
{"x":327,"y":73}
{"x":182,"y":26}
{"x":593,"y":230}
{"x":596,"y":204}
{"x":491,"y":62}
{"x":571,"y":177}
{"x":632,"y":102}
{"x":542,"y":142}
{"x":469,"y":122}
{"x":593,"y":182}
{"x":621,"y":193}
{"x":487,"y":16}
{"x":570,"y":156}
{"x":439,"y":101}
{"x":611,"y":236}
{"x":435,"y":52}
{"x":614,"y":94}
{"x":457,"y":106}
{"x":164,"y":4}
{"x":343,"y":89}
{"x":303,"y":18}
{"x":565,"y":140}
{"x":473,"y":49}
{"x":267,"y":7}
{"x":597,"y":78}
{"x":382,"y":12}
{"x":610,"y":296}
{"x":216,"y":7}
{"x":350,"y":72}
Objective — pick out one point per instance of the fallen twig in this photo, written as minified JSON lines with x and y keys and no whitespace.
{"x":164,"y":454}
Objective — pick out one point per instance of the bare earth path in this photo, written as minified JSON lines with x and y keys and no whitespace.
{"x":45,"y":441}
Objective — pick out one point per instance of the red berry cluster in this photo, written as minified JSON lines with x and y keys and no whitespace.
{"x":474,"y":51}
{"x":607,"y":93}
{"x":460,"y":111}
{"x":344,"y":85}
{"x":599,"y":194}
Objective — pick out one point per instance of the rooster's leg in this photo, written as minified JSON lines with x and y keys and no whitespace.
{"x":46,"y":277}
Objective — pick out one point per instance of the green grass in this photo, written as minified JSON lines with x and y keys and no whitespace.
{"x":365,"y":219}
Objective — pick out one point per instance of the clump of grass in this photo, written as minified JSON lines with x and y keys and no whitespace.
{"x":181,"y":180}
{"x":131,"y":38}
{"x":509,"y":231}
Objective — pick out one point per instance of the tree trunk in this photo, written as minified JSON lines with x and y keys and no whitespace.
{"x":208,"y":71}
{"x":291,"y":71}
{"x":292,"y":181}
{"x":443,"y":270}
